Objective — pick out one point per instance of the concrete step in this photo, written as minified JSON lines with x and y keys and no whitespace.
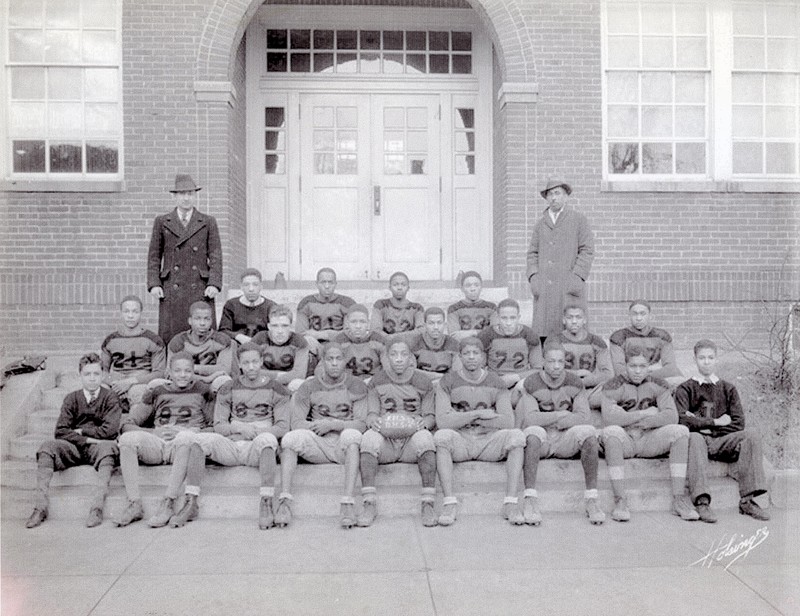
{"x":68,"y":381}
{"x":42,"y":423}
{"x":52,"y":399}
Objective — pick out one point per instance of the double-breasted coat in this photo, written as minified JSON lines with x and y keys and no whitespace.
{"x":183,"y":261}
{"x":560,"y":257}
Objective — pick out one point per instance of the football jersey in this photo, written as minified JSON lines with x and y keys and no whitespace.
{"x":279,"y":357}
{"x":169,"y":405}
{"x":240,"y":400}
{"x":590,"y":354}
{"x":508,"y":353}
{"x":631,"y":397}
{"x":214,"y":352}
{"x":315,"y":313}
{"x":239,"y":318}
{"x":397,"y":317}
{"x":318,"y":398}
{"x":141,"y":353}
{"x":657,"y":345}
{"x":430,"y":357}
{"x":566,"y":394}
{"x":467,"y":395}
{"x":363,"y":358}
{"x":410,"y":396}
{"x":465,"y":314}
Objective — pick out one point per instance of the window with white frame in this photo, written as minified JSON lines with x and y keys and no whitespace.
{"x":64,"y":116}
{"x":699,"y":90}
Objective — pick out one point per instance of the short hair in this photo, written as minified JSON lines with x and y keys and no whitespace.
{"x":326,"y":270}
{"x":705,"y":343}
{"x":471,"y":341}
{"x":181,"y":355}
{"x":281,"y":310}
{"x":396,"y":342}
{"x":471,"y":274}
{"x":89,"y":358}
{"x":635,"y":350}
{"x":639,"y":302}
{"x":552,"y":344}
{"x":508,"y":303}
{"x":251,"y":271}
{"x":247,"y":346}
{"x":132,"y":298}
{"x":331,"y":344}
{"x":434,"y":310}
{"x":357,"y":308}
{"x":574,"y":306}
{"x":399,"y":275}
{"x":200,"y":306}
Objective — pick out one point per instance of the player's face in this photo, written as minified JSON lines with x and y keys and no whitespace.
{"x":91,"y":377}
{"x":509,"y":319}
{"x":251,"y":288}
{"x":471,"y":358}
{"x":554,"y":362}
{"x":640,"y":316}
{"x":200,"y":322}
{"x":399,"y":287}
{"x":472,"y":288}
{"x":399,"y":357}
{"x":185,"y":201}
{"x":434,"y":325}
{"x":636,"y":368}
{"x":556,"y":198}
{"x":182,"y":372}
{"x":334,"y":363}
{"x":574,"y":320}
{"x":250,"y":364}
{"x":358,"y":325}
{"x":706,"y":360}
{"x":326,"y":284}
{"x":280,"y":329}
{"x":131,"y":314}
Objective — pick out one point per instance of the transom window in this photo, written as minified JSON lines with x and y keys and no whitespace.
{"x":63,"y":76}
{"x":369,"y":52}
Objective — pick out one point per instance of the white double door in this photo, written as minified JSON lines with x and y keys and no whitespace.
{"x":370,"y":185}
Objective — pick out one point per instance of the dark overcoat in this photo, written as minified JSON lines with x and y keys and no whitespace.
{"x":183,"y":262}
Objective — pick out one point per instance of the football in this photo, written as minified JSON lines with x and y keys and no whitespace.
{"x":398,"y":425}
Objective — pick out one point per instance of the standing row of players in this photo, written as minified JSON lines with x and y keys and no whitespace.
{"x":241,"y":394}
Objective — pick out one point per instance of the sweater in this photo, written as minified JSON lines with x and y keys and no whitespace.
{"x":466,"y":315}
{"x":315,"y":312}
{"x":508,"y":353}
{"x":544,"y":395}
{"x":589,"y":352}
{"x":239,"y":318}
{"x":391,"y":316}
{"x":657,"y":344}
{"x":263,"y":404}
{"x":622,"y":400}
{"x":321,"y":397}
{"x":410,"y":394}
{"x":139,"y":353}
{"x":99,"y":420}
{"x":708,"y":401}
{"x":458,"y":392}
{"x":430,"y":356}
{"x":183,"y":408}
{"x":363,"y":357}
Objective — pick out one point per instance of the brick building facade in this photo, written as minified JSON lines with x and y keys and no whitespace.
{"x":708,"y":248}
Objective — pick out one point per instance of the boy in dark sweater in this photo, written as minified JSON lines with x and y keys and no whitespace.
{"x":244,"y":316}
{"x":711,"y":409}
{"x":84,"y":434}
{"x":284,"y":352}
{"x":397,"y":314}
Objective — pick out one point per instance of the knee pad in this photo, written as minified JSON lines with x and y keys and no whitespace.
{"x":266,"y":439}
{"x":444,"y":438}
{"x":515,"y":439}
{"x":536,"y":431}
{"x":349,"y":437}
{"x":371,"y":442}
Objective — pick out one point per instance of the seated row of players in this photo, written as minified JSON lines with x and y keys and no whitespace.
{"x":337,"y":417}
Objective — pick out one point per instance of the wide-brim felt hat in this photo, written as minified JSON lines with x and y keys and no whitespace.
{"x":555,"y":183}
{"x":184,"y":183}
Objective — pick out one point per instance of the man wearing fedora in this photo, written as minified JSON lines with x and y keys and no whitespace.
{"x":184,"y":262}
{"x":560,"y":256}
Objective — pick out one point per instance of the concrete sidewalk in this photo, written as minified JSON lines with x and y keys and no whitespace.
{"x":479,"y":566}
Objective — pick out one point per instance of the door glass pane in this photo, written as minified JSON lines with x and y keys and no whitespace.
{"x":393,"y":39}
{"x":346,"y":63}
{"x":323,"y":164}
{"x":393,"y":63}
{"x":323,"y":117}
{"x":276,"y":39}
{"x":370,"y":63}
{"x":462,"y":65}
{"x":465,"y":141}
{"x":440,"y":64}
{"x":417,"y":117}
{"x":370,"y":39}
{"x":393,"y":164}
{"x":462,"y":41}
{"x":273,"y":116}
{"x":276,"y":62}
{"x":415,"y":41}
{"x":346,"y":39}
{"x":346,"y":117}
{"x":465,"y":164}
{"x":465,"y":118}
{"x":439,"y":41}
{"x":275,"y":164}
{"x":323,"y":140}
{"x":274,"y":140}
{"x":301,"y":39}
{"x":323,"y":39}
{"x":347,"y":140}
{"x":417,"y":141}
{"x":417,"y":165}
{"x":323,"y":62}
{"x":415,"y":63}
{"x":393,"y":141}
{"x":301,"y":62}
{"x":394,"y":117}
{"x":346,"y":164}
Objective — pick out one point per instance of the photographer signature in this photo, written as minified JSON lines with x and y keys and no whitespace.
{"x":733,"y":548}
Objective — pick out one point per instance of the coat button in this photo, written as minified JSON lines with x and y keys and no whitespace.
{"x":174,"y":286}
{"x":176,"y":268}
{"x":194,"y":286}
{"x":194,"y":248}
{"x":194,"y":267}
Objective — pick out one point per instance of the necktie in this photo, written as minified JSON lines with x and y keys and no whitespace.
{"x":184,"y":220}
{"x":92,"y":397}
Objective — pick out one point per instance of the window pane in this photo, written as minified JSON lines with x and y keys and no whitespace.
{"x":623,"y":157}
{"x":465,"y":165}
{"x":61,"y":14}
{"x":623,"y":18}
{"x":465,"y":117}
{"x":782,"y":54}
{"x":100,"y":46}
{"x":370,"y":63}
{"x":462,"y":41}
{"x":781,"y":88}
{"x":27,"y":83}
{"x":623,"y":121}
{"x":690,"y":122}
{"x":370,"y":39}
{"x":393,"y":141}
{"x":417,"y":117}
{"x":274,"y":140}
{"x":417,"y":141}
{"x":63,"y":46}
{"x":416,"y":165}
{"x":64,"y":84}
{"x":690,"y":19}
{"x":656,"y":87}
{"x":440,"y":63}
{"x":394,"y":117}
{"x":464,"y":141}
{"x":657,"y":51}
{"x":347,"y":140}
{"x":323,"y":164}
{"x":65,"y":118}
{"x":346,"y":39}
{"x":748,"y":88}
{"x":747,"y":158}
{"x":300,"y":39}
{"x":393,"y":164}
{"x":415,"y":41}
{"x":622,"y":87}
{"x":780,"y":158}
{"x":748,"y":19}
{"x":748,"y":53}
{"x":102,"y":119}
{"x":102,"y":157}
{"x":301,"y":62}
{"x":27,"y":118}
{"x":623,"y":52}
{"x":690,"y":88}
{"x":691,"y":52}
{"x":101,"y":84}
{"x":65,"y":158}
{"x":323,"y":62}
{"x":28,"y":156}
{"x":276,"y":39}
{"x":346,"y":117}
{"x":346,"y":164}
{"x":393,"y":63}
{"x":346,"y":63}
{"x":415,"y":62}
{"x":25,"y":13}
{"x":782,"y":20}
{"x":323,"y":39}
{"x":690,"y":158}
{"x":323,"y":140}
{"x":780,"y":122}
{"x":274,"y":116}
{"x":657,"y":121}
{"x":275,"y":164}
{"x":657,"y":18}
{"x":276,"y":62}
{"x":656,"y":158}
{"x":439,"y":41}
{"x":462,"y":65}
{"x":99,"y":14}
{"x":393,"y":40}
{"x":747,"y":121}
{"x":25,"y":45}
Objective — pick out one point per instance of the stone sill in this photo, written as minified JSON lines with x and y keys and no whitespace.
{"x":63,"y":186}
{"x":738,"y":186}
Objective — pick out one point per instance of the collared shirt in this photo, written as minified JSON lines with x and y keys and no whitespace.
{"x":91,"y":395}
{"x":261,"y":299}
{"x":711,"y":380}
{"x":185,"y":218}
{"x":554,"y":215}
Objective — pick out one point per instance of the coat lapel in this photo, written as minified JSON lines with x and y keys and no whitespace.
{"x":197,"y":222}
{"x":173,"y":223}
